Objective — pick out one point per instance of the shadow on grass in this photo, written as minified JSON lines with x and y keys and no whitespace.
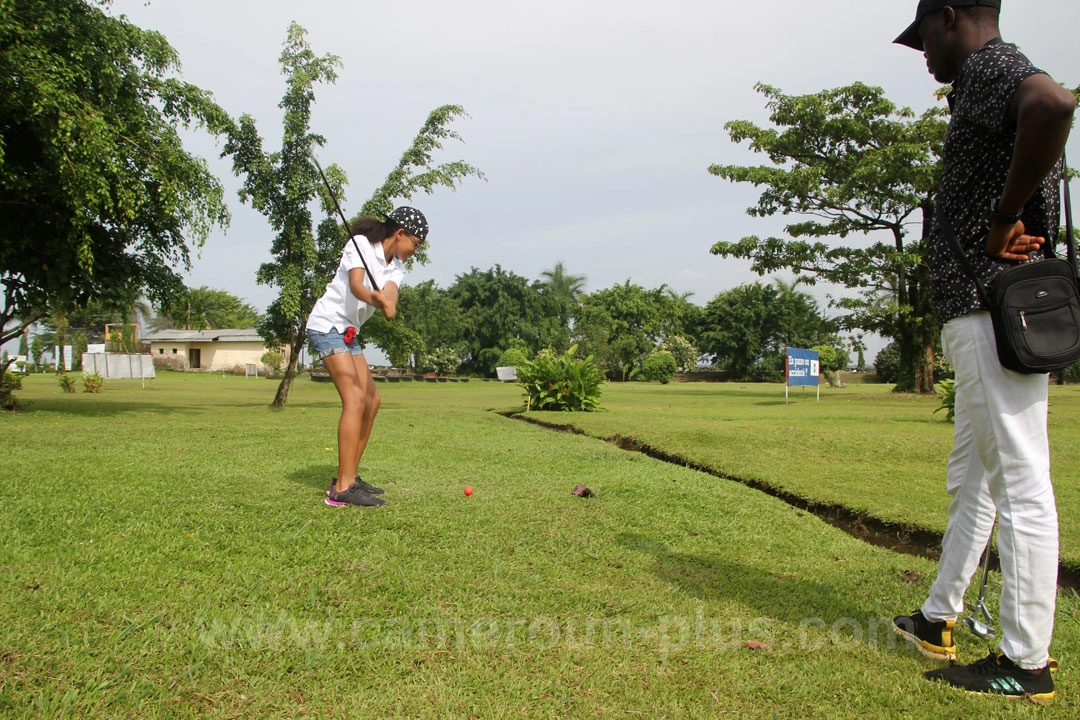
{"x":316,"y":476}
{"x":782,"y":597}
{"x":88,"y":408}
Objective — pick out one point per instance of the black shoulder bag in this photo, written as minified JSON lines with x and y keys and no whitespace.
{"x":1035,"y":306}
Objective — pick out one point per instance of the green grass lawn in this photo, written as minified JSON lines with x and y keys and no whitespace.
{"x":862,"y":447}
{"x":167,"y":554}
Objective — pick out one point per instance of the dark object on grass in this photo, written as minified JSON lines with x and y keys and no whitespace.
{"x":582,"y":491}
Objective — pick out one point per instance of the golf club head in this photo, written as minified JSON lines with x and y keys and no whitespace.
{"x":978,"y":628}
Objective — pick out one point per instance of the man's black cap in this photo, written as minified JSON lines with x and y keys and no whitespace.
{"x":910,"y":37}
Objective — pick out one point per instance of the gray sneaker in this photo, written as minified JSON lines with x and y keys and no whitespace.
{"x":353,"y":495}
{"x":366,"y":487}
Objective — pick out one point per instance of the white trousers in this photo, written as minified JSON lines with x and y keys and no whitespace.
{"x":1000,"y":463}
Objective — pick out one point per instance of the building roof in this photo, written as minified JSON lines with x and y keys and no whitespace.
{"x":222,"y":335}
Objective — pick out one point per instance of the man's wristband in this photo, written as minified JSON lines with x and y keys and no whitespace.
{"x":1005,"y":218}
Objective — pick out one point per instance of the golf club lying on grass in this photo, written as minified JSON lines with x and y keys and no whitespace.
{"x":345,"y":222}
{"x":978,"y":627}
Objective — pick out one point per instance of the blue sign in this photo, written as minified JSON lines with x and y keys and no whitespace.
{"x":802,"y":367}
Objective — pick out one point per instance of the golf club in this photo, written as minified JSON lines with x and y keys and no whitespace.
{"x":978,"y":627}
{"x":345,"y":222}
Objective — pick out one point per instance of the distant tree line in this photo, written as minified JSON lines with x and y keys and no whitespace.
{"x":486,"y":316}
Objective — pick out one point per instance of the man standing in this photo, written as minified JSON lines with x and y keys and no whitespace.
{"x":999,"y":196}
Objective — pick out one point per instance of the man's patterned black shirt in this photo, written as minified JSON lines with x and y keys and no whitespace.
{"x":976,"y":158}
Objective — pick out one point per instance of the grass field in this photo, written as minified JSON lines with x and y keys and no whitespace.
{"x":862,"y":447}
{"x":167,"y":554}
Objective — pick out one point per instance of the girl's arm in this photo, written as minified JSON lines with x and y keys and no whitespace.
{"x":361,"y":291}
{"x":386,"y":300}
{"x":390,"y":296}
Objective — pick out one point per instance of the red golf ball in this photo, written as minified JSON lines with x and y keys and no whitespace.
{"x":468,"y":490}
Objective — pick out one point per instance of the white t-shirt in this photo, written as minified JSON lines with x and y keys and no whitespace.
{"x":338,"y":307}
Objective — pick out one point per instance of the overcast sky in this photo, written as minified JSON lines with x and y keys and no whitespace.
{"x":593,"y":120}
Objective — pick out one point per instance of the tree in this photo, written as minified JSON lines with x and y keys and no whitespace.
{"x":427,"y":318}
{"x":850,"y":162}
{"x":622,"y":324}
{"x":37,"y":349}
{"x":858,"y":346}
{"x":282,"y":184}
{"x":563,"y":293}
{"x":499,"y":310}
{"x":415,"y":173}
{"x":100,"y":200}
{"x":887,"y":363}
{"x":746,"y":329}
{"x":205,"y":308}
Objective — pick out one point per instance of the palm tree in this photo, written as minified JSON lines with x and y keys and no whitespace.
{"x":564,"y":292}
{"x":562,"y":285}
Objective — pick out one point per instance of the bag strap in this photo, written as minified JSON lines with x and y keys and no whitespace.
{"x":1070,"y":246}
{"x":1066,"y":201}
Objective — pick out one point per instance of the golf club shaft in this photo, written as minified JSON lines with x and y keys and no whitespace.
{"x":986,"y":565}
{"x":345,"y":222}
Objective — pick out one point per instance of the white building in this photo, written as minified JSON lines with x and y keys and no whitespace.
{"x":208,"y":350}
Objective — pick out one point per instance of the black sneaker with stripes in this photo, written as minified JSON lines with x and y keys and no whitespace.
{"x":996,"y":674}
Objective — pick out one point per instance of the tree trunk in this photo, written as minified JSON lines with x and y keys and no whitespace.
{"x":924,"y":371}
{"x":282,"y":395}
{"x":61,"y":338}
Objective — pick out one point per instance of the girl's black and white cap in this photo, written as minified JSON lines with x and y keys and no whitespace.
{"x":411,"y":220}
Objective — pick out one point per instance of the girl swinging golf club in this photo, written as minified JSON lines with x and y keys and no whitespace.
{"x":367,"y":279}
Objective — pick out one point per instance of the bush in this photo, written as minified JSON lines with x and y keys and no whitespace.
{"x":660,"y":365}
{"x":513,"y":357}
{"x":685,"y":354}
{"x":273,"y":360}
{"x":11,"y":382}
{"x":561,"y":383}
{"x":887,"y":363}
{"x":947,"y":389}
{"x":444,"y":361}
{"x":67,"y":383}
{"x":92,"y":383}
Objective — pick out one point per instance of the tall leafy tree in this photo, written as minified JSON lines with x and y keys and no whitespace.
{"x":283,"y":184}
{"x":428,"y":319}
{"x":563,"y":292}
{"x":622,"y":324}
{"x":415,"y":172}
{"x":99,"y":198}
{"x":849,"y":163}
{"x":205,"y":307}
{"x":745,"y":330}
{"x":499,"y":310}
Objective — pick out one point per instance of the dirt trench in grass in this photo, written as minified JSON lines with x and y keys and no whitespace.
{"x":910,"y":540}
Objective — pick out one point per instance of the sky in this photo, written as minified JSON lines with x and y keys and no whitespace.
{"x":594,"y":121}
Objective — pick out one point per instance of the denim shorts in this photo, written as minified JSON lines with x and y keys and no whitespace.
{"x":328,"y":343}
